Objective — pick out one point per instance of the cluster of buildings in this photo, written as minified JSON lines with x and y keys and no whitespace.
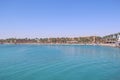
{"x":113,"y":39}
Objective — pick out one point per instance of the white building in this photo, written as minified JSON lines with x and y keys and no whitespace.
{"x":119,"y":38}
{"x":118,"y":42}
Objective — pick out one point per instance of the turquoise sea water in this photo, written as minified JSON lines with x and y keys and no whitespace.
{"x":59,"y":62}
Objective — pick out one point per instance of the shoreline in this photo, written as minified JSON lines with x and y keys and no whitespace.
{"x":64,"y":44}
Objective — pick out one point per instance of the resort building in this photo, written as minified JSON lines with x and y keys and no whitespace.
{"x":118,"y":42}
{"x":112,"y":38}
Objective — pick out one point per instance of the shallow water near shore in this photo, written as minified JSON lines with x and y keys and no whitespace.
{"x":59,"y":62}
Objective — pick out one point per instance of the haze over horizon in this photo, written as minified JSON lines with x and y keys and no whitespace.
{"x":58,"y":18}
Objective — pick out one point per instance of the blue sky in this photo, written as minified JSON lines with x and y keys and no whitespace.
{"x":58,"y":18}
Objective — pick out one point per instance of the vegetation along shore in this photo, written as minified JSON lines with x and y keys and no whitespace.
{"x":108,"y":40}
